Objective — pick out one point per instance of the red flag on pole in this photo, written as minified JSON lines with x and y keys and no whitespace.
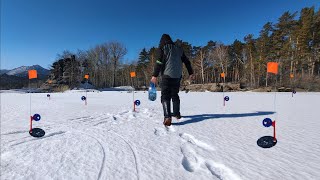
{"x":32,"y":74}
{"x":132,"y":74}
{"x":272,"y":67}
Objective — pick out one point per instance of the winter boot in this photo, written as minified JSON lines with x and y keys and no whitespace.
{"x":166,"y":113}
{"x":176,"y":109}
{"x":167,"y":121}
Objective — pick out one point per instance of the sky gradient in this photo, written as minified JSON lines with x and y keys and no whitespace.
{"x":35,"y":31}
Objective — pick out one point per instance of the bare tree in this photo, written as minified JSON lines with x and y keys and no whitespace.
{"x":105,"y":63}
{"x":117,"y":51}
{"x":202,"y":56}
{"x":220,"y":57}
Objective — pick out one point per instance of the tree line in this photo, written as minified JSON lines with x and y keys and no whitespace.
{"x":293,"y":41}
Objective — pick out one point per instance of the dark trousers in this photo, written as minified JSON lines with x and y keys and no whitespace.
{"x":170,"y":89}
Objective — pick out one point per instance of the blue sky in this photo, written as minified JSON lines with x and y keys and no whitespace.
{"x":35,"y":31}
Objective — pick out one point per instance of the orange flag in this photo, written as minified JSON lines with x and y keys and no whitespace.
{"x":272,"y":67}
{"x":86,"y":76}
{"x":132,"y":74}
{"x":222,"y":75}
{"x":32,"y":74}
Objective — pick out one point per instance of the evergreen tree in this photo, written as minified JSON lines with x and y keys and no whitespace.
{"x":237,"y":59}
{"x":142,"y":65}
{"x":263,"y":50}
{"x":283,"y":42}
{"x":305,"y":38}
{"x":250,"y":49}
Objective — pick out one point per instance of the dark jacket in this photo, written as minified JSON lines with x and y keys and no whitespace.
{"x":169,"y":61}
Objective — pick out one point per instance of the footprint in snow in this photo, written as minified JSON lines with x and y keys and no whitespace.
{"x":221,"y":171}
{"x":191,"y":139}
{"x":190,"y":161}
{"x":163,"y":131}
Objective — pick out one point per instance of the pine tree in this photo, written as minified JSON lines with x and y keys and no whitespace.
{"x":237,"y":59}
{"x":316,"y":42}
{"x":283,"y":42}
{"x":250,"y":48}
{"x":305,"y":38}
{"x":263,"y":50}
{"x":142,"y":66}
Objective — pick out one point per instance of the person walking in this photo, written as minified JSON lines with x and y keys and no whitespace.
{"x":169,"y":66}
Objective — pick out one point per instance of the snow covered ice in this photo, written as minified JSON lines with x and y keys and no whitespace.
{"x":107,"y":140}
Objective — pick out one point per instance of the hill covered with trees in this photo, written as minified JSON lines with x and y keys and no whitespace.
{"x":293,"y":41}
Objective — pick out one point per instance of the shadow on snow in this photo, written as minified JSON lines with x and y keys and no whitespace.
{"x":202,"y":117}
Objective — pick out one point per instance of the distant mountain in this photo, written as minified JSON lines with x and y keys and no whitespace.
{"x":23,"y":71}
{"x":18,"y":78}
{"x":3,"y":71}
